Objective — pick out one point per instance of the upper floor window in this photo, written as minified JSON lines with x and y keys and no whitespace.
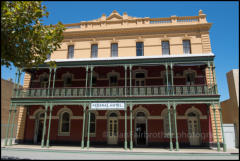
{"x":140,"y":79}
{"x":165,"y":48}
{"x":113,"y":80}
{"x":190,"y":78}
{"x":114,"y":50}
{"x":43,"y":81}
{"x":186,"y":47}
{"x":67,"y":80}
{"x":94,"y":50}
{"x":139,"y":47}
{"x":94,"y":81}
{"x":70,"y":51}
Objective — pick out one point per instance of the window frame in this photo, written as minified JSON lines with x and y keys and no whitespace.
{"x":60,"y":132}
{"x":164,"y":49}
{"x":184,"y":47}
{"x":70,"y":55}
{"x":114,"y":51}
{"x":142,"y":48}
{"x":93,"y":51}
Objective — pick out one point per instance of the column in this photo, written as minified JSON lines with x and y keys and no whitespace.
{"x":13,"y":123}
{"x":210,"y":76}
{"x":220,"y":112}
{"x":83,"y":125}
{"x":91,"y":80}
{"x":49,"y":124}
{"x":89,"y":118}
{"x":131,"y":142}
{"x":214,"y":79}
{"x":125,"y":142}
{"x":9,"y":116}
{"x":86,"y":80}
{"x":171,"y":66}
{"x":10,"y":109}
{"x":44,"y":125}
{"x":54,"y":74}
{"x":49,"y":81}
{"x":166,"y":67}
{"x":130,"y":77}
{"x":125,"y":68}
{"x":175,"y":119}
{"x":214,"y":112}
{"x":170,"y":130}
{"x":19,"y":76}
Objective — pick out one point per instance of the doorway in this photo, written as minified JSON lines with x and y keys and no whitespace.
{"x":112,"y":129}
{"x":193,"y":129}
{"x":38,"y":128}
{"x":141,"y":129}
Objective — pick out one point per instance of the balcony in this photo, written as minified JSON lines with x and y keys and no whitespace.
{"x":134,"y":91}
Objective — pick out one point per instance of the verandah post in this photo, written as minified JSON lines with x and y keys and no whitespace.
{"x":83,"y":125}
{"x":125,"y":142}
{"x":214,"y":112}
{"x":86,"y":80}
{"x":49,"y":81}
{"x":166,"y":67}
{"x":175,"y":119}
{"x":44,"y":125}
{"x":130,"y":79}
{"x":131,"y":142}
{"x":220,"y":112}
{"x":89,"y":118}
{"x":170,"y":130}
{"x":125,"y":68}
{"x":49,"y":124}
{"x":13,"y":121}
{"x":9,"y":116}
{"x":10,"y":109}
{"x":54,"y":75}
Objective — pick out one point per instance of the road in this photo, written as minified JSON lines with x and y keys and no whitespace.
{"x":86,"y":155}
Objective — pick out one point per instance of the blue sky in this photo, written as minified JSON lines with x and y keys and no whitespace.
{"x":224,"y":34}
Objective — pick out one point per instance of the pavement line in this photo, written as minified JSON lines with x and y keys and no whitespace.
{"x":128,"y":153}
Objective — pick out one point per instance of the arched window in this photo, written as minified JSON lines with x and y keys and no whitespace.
{"x":93,"y":124}
{"x":166,"y":124}
{"x":43,"y":81}
{"x":64,"y":124}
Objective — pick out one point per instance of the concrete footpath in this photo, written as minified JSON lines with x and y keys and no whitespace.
{"x":120,"y":149}
{"x":67,"y":153}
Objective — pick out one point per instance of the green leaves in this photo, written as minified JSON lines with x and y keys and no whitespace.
{"x":26,"y":42}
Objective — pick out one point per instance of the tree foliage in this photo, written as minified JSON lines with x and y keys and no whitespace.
{"x":25,"y":41}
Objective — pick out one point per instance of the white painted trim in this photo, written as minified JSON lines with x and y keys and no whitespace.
{"x":134,"y":57}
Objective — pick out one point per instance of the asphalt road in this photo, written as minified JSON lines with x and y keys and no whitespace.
{"x":85,"y":155}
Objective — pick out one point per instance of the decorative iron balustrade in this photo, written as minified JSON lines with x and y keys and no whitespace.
{"x":176,"y":90}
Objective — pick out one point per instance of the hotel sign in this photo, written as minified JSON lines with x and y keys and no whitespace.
{"x":107,"y":106}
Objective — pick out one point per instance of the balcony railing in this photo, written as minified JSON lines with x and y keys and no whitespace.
{"x":177,"y":90}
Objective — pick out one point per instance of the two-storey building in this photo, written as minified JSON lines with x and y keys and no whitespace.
{"x":128,"y":81}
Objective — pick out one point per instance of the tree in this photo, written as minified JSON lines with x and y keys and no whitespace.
{"x":25,"y":41}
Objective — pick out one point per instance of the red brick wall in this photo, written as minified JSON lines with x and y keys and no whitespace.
{"x":80,"y":73}
{"x":154,"y":125}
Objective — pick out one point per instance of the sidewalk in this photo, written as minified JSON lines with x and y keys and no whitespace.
{"x":119,"y":149}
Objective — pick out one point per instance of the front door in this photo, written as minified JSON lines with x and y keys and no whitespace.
{"x":193,"y":131}
{"x":39,"y":131}
{"x":141,"y":133}
{"x":112,"y":130}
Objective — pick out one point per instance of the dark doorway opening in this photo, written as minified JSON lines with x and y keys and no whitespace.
{"x":40,"y":130}
{"x":141,"y":133}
